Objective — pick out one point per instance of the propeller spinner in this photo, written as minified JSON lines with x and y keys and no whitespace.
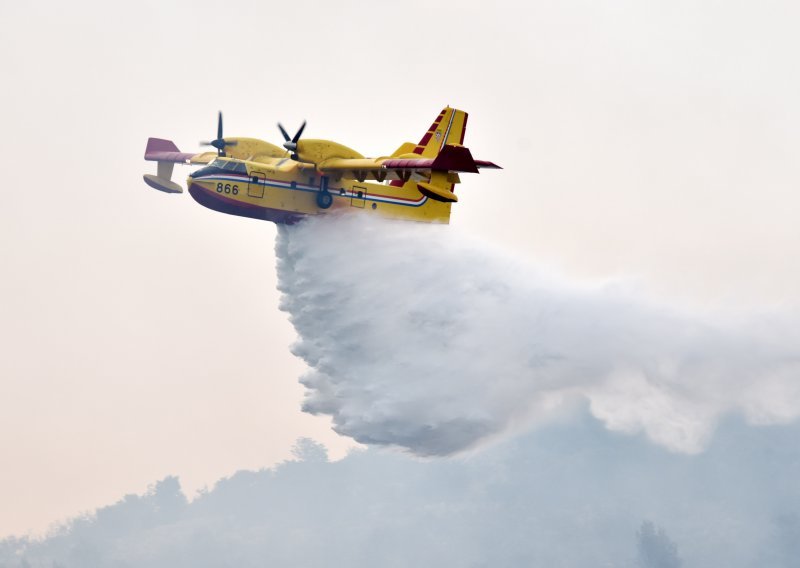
{"x":291,"y":143}
{"x":219,"y":143}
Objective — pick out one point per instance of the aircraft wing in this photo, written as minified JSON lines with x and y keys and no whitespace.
{"x":354,"y":168}
{"x":451,"y":159}
{"x":160,"y":150}
{"x":166,"y":153}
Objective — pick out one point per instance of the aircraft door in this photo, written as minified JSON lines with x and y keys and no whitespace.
{"x":359,"y":197}
{"x":257,"y":182}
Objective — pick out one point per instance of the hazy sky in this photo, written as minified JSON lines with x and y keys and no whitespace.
{"x":141,"y":335}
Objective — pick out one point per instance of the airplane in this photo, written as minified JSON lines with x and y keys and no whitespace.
{"x":256,"y":179}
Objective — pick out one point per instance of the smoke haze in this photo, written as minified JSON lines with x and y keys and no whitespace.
{"x":571,"y":494}
{"x":419,"y":337}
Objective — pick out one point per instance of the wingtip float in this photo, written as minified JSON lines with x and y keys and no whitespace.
{"x":253,"y":178}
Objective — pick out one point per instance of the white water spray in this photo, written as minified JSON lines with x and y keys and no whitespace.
{"x":418,"y":338}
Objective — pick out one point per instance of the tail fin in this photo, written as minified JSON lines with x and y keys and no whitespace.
{"x":448,"y":128}
{"x":441,"y":149}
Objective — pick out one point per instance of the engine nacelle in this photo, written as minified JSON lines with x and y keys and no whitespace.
{"x":317,"y":151}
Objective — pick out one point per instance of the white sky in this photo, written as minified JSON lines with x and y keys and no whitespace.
{"x":140,"y":332}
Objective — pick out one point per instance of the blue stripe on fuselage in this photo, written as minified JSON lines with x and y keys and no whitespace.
{"x":310,"y":189}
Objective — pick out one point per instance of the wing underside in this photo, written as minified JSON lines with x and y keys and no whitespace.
{"x":452,"y":159}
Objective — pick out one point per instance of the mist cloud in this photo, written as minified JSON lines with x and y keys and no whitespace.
{"x":420,"y":338}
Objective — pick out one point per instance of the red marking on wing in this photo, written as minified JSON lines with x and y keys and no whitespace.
{"x":160,"y":150}
{"x":407,"y":163}
{"x":451,"y":158}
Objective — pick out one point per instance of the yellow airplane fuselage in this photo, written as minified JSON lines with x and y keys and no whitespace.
{"x":281,"y":194}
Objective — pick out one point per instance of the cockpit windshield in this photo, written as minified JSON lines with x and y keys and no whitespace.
{"x":219,"y":166}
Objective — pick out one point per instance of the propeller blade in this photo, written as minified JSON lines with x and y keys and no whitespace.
{"x":291,"y":143}
{"x":219,"y":125}
{"x":231,"y":143}
{"x":299,"y":132}
{"x":283,"y":131}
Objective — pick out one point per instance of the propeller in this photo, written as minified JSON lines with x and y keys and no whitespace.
{"x":219,"y":143}
{"x":291,"y":143}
